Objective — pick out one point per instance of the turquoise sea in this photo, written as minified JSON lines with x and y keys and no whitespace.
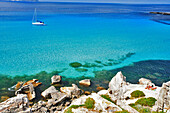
{"x":79,"y":32}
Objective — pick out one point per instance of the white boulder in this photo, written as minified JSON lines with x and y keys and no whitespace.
{"x":117,"y":86}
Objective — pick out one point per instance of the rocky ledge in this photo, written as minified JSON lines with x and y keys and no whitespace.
{"x":120,"y":97}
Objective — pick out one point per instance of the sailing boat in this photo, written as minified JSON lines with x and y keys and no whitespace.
{"x":35,"y":21}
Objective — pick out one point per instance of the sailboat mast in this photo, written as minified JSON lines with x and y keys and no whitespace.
{"x":34,"y":19}
{"x":35,"y":14}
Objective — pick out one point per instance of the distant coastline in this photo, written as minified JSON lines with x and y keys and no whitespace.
{"x":20,"y":1}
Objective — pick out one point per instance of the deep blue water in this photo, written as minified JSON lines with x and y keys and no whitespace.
{"x":79,"y":32}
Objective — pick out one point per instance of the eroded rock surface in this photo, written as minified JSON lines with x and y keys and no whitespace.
{"x":56,"y":79}
{"x":17,"y":104}
{"x":101,"y":105}
{"x":54,"y":96}
{"x":163,"y":100}
{"x":73,"y":91}
{"x":144,"y":81}
{"x":117,"y":86}
{"x":85,"y":82}
{"x":27,"y":89}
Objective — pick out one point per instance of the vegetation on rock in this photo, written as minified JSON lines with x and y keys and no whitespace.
{"x":107,"y":98}
{"x":146,"y":101}
{"x":140,"y":108}
{"x":69,"y":110}
{"x":89,"y":103}
{"x":123,"y":111}
{"x":76,"y":106}
{"x":137,"y":94}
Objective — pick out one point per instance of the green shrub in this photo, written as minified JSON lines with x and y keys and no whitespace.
{"x":146,"y":101}
{"x":89,"y":103}
{"x":140,"y":108}
{"x":75,"y":64}
{"x":107,"y":98}
{"x":158,"y":112}
{"x":69,"y":110}
{"x":132,"y":105}
{"x":137,"y":94}
{"x":76,"y":106}
{"x":145,"y":110}
{"x":123,"y":111}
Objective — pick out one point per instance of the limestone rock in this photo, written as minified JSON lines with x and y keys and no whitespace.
{"x":85,"y":82}
{"x":56,"y":79}
{"x":48,"y":91}
{"x":39,"y":107}
{"x":101,"y":105}
{"x":144,"y":81}
{"x":59,"y":98}
{"x":19,"y":103}
{"x":34,"y":82}
{"x":100,"y":88}
{"x":117,"y":86}
{"x":73,"y":91}
{"x":87,"y":93}
{"x":18,"y":85}
{"x":163,"y":100}
{"x":53,"y":95}
{"x":126,"y":107}
{"x":27,"y":89}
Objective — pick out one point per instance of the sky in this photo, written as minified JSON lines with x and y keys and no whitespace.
{"x":114,"y":1}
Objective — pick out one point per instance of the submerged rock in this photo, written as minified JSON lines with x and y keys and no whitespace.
{"x":19,"y":103}
{"x":85,"y":82}
{"x":117,"y":86}
{"x":163,"y":100}
{"x":56,"y":79}
{"x":3,"y":98}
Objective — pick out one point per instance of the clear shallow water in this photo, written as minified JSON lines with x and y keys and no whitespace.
{"x":79,"y":32}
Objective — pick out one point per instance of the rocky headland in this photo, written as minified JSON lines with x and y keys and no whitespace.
{"x":120,"y":97}
{"x":162,"y":13}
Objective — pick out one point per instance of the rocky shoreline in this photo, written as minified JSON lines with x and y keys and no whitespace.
{"x":155,"y":70}
{"x":120,"y":97}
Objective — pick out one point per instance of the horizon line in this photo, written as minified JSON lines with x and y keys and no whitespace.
{"x":83,"y":2}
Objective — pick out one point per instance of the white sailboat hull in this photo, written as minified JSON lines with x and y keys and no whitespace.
{"x":37,"y":23}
